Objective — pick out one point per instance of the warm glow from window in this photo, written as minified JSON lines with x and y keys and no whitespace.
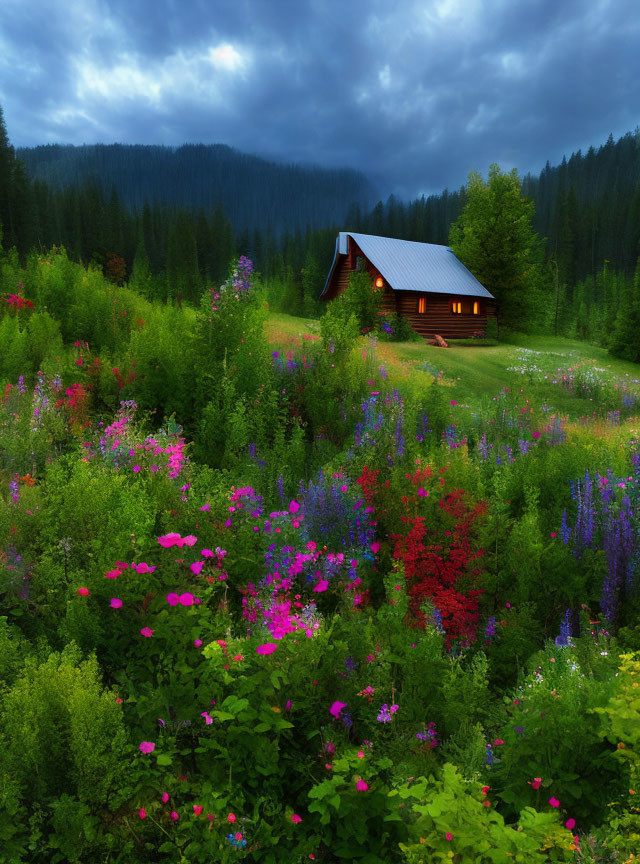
{"x":379,"y":282}
{"x":456,"y":307}
{"x":476,"y":307}
{"x":422,"y":305}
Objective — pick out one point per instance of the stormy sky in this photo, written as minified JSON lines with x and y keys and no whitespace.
{"x":415,"y":94}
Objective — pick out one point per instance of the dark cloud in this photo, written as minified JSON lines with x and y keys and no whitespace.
{"x":414,"y":93}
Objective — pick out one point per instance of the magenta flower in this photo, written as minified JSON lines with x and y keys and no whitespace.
{"x":570,"y":824}
{"x":266,"y":648}
{"x":336,"y":708}
{"x":143,"y":568}
{"x":205,"y":508}
{"x":83,"y":592}
{"x":142,"y":813}
{"x":362,"y":785}
{"x":554,"y":802}
{"x":375,"y":548}
{"x":207,"y":718}
{"x":196,"y":567}
{"x":168,"y":540}
{"x":173,"y":599}
{"x":116,"y":603}
{"x":296,"y":819}
{"x":294,"y":507}
{"x":147,"y":747}
{"x":189,"y":540}
{"x":174,"y":816}
{"x":136,"y":469}
{"x":197,"y":643}
{"x":146,"y":631}
{"x":186,"y":599}
{"x":165,"y":797}
{"x":322,"y":585}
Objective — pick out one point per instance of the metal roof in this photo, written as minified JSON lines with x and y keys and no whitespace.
{"x":410,"y":266}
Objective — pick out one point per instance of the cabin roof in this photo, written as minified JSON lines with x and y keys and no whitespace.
{"x":410,"y":266}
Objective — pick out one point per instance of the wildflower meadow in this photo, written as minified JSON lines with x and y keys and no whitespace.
{"x":275,"y":590}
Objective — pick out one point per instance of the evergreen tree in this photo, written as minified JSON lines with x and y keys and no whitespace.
{"x":494,"y":238}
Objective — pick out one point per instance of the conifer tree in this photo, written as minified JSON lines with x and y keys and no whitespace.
{"x":494,"y":238}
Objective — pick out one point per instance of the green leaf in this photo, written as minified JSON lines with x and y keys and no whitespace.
{"x":164,"y":759}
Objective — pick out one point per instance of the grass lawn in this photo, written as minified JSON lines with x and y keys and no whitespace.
{"x":476,"y":374}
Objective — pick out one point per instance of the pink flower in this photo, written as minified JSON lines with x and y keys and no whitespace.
{"x":362,"y":785}
{"x":186,"y":599}
{"x":453,"y":402}
{"x":287,"y":707}
{"x":174,"y":816}
{"x":147,"y":747}
{"x":570,"y":824}
{"x":266,"y":648}
{"x":231,"y":817}
{"x":136,"y":469}
{"x":296,"y":819}
{"x":142,"y":813}
{"x":143,"y":568}
{"x":206,"y":553}
{"x":168,"y":540}
{"x":535,"y":434}
{"x":115,"y":603}
{"x":322,"y":585}
{"x":336,"y":708}
{"x":294,"y":507}
{"x":360,"y":754}
{"x":554,"y":802}
{"x":554,"y":534}
{"x":375,"y":548}
{"x":197,"y":809}
{"x":205,"y":508}
{"x":196,"y":567}
{"x":344,"y":488}
{"x":197,"y":643}
{"x":165,"y":797}
{"x":146,"y":631}
{"x":189,"y":540}
{"x":208,"y":719}
{"x":173,"y":599}
{"x":498,"y":742}
{"x":448,"y":836}
{"x":113,"y":574}
{"x":83,"y":592}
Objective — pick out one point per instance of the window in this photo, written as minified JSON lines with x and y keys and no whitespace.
{"x":456,"y":307}
{"x":359,"y":263}
{"x":476,"y":307}
{"x":422,"y":305}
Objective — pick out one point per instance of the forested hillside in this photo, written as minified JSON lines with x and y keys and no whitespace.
{"x":254,"y":193}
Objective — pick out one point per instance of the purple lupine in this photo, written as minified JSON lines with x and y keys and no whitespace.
{"x":483,"y":448}
{"x":564,"y":638}
{"x":618,"y":549}
{"x":490,"y":629}
{"x":15,"y":490}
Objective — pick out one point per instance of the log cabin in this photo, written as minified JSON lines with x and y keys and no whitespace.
{"x":423,"y":282}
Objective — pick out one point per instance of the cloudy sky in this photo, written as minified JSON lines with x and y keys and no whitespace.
{"x":414,"y":92}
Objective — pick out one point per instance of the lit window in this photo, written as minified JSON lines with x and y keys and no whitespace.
{"x":456,"y":307}
{"x":476,"y":307}
{"x":379,"y":282}
{"x":422,"y":305}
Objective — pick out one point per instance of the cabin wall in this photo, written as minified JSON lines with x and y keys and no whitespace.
{"x":439,"y":318}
